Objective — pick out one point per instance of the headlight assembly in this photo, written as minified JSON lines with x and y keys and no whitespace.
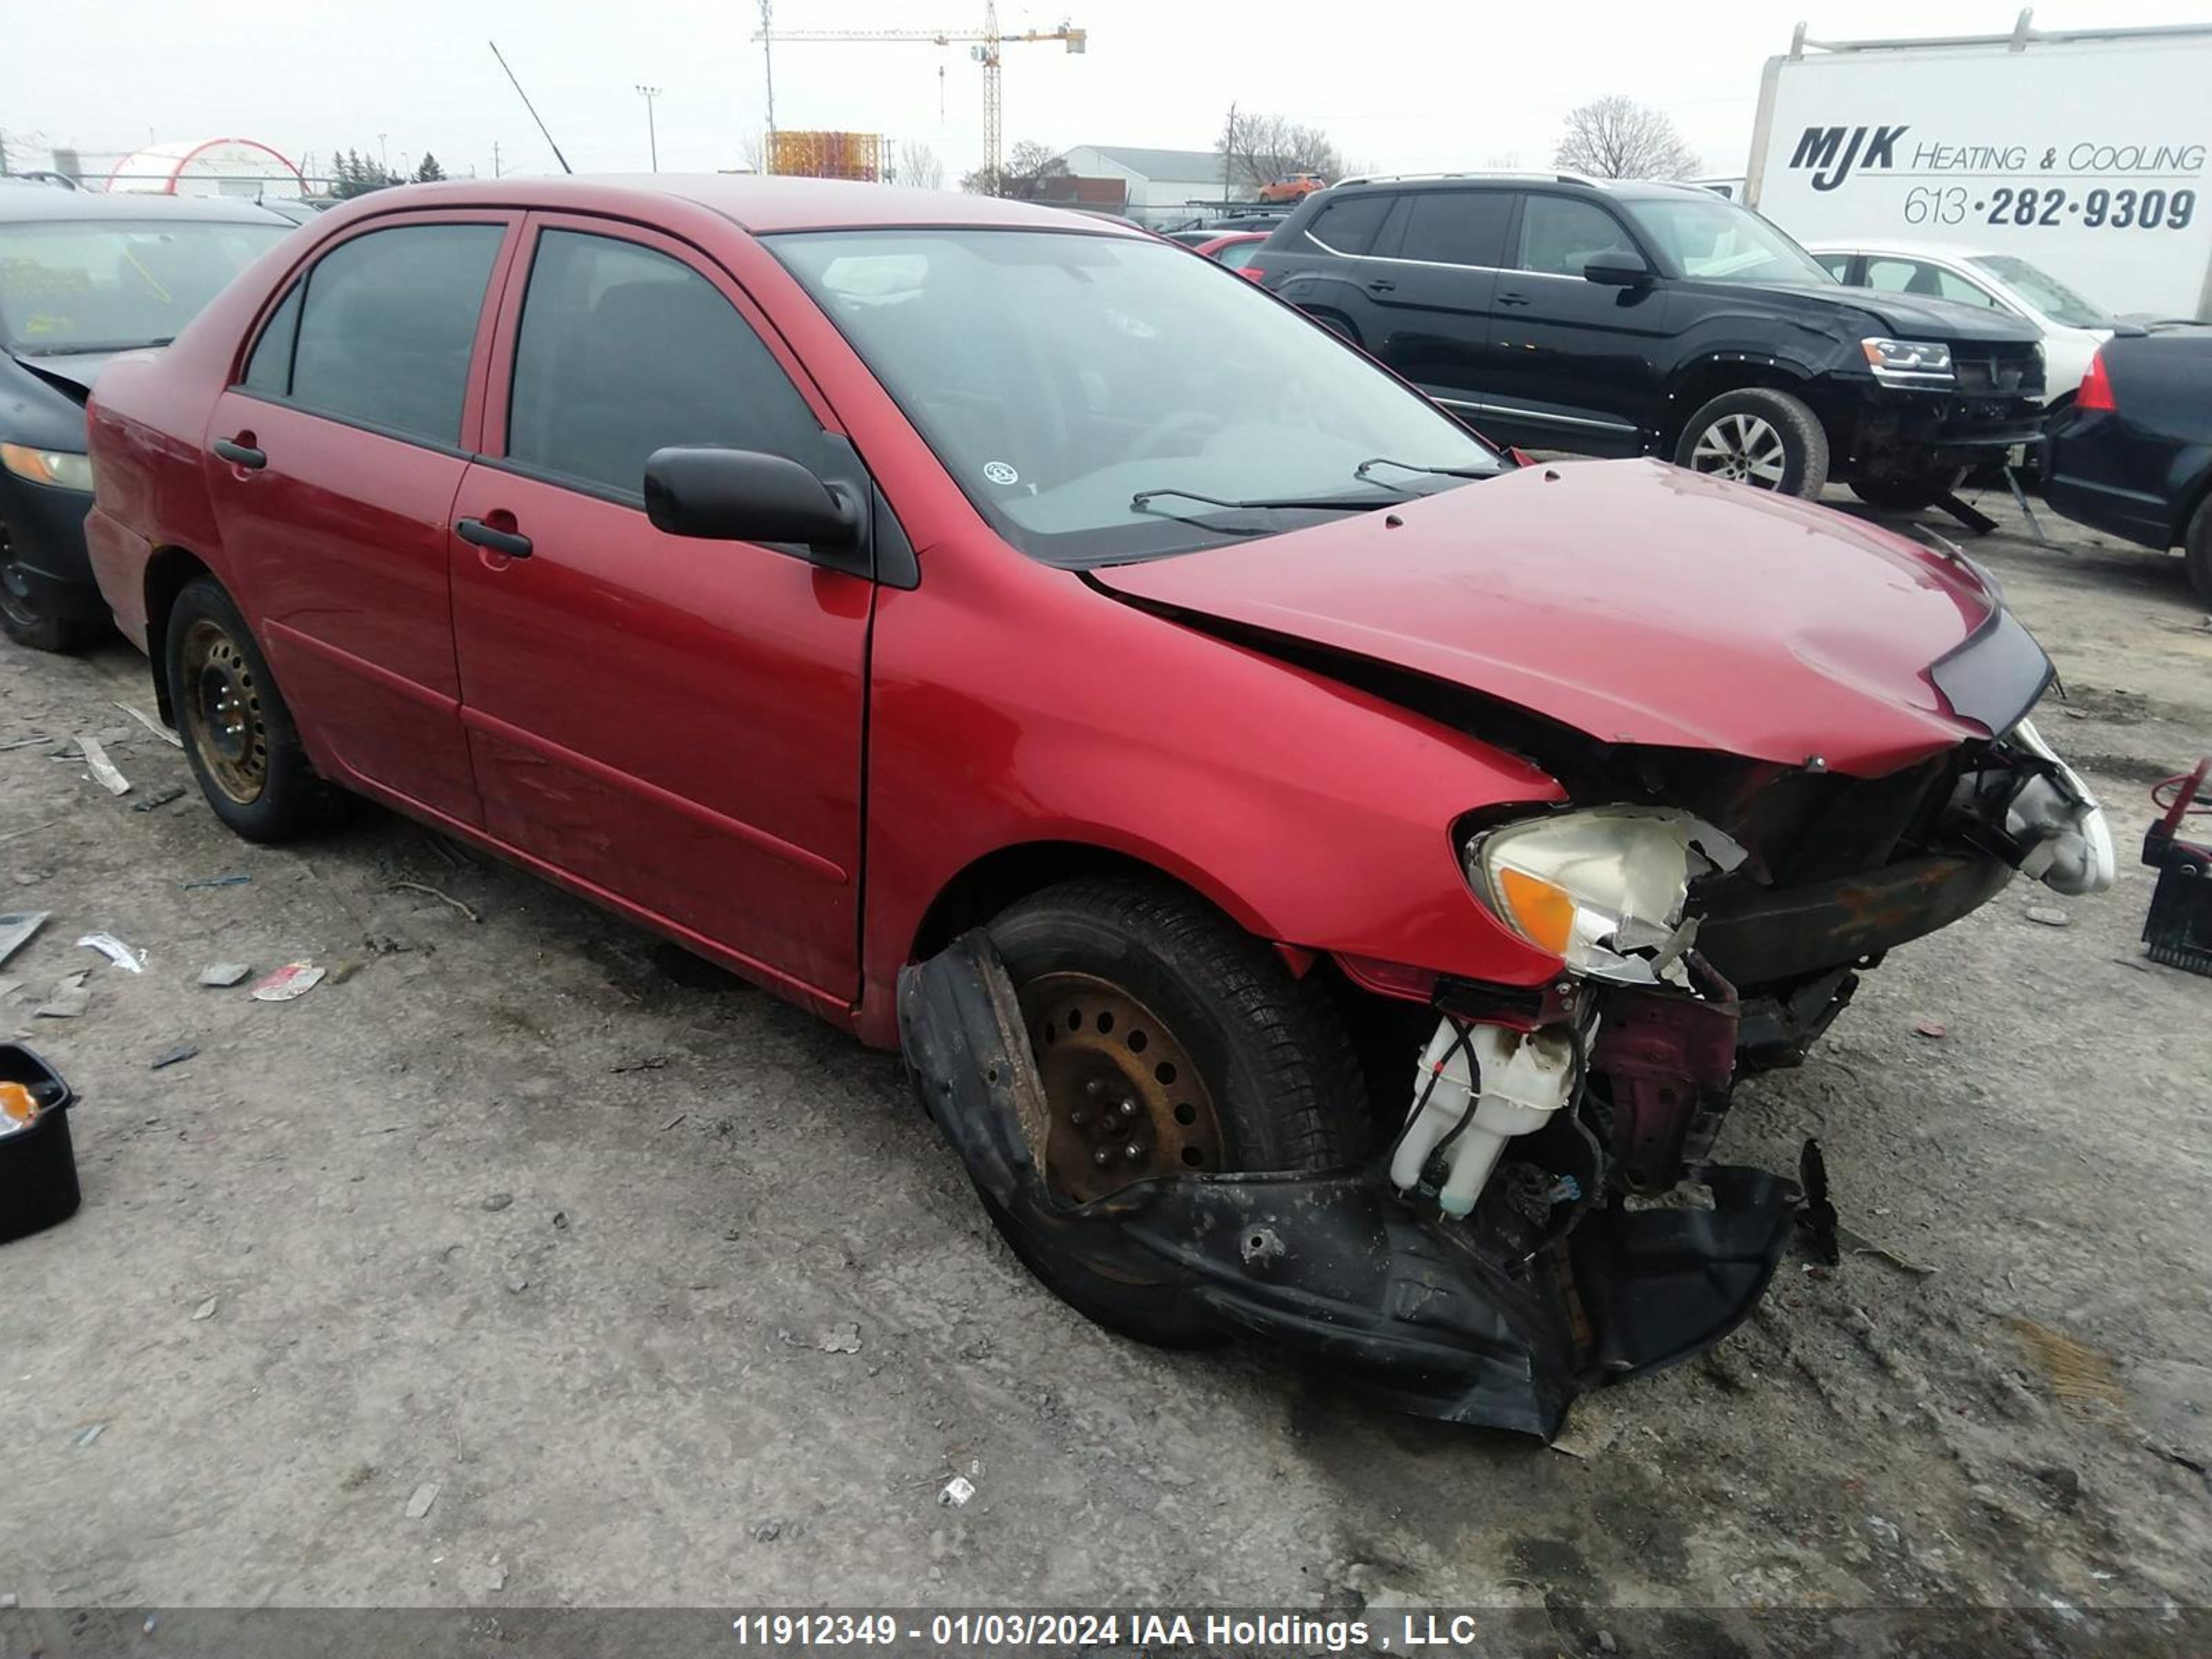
{"x":1601,"y":888}
{"x":1908,"y":362}
{"x":62,"y":467}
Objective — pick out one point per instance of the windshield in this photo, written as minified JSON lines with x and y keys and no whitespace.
{"x":1060,"y":377}
{"x":2044,"y":291}
{"x":1717,"y":241}
{"x":74,"y":285}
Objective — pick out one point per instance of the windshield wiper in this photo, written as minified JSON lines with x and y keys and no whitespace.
{"x":1361,"y":471}
{"x":1143,"y":499}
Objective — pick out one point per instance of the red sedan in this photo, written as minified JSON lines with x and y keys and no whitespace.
{"x":1233,"y":248}
{"x":1322,"y":874}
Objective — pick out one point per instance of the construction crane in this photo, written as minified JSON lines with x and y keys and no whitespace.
{"x":982,"y":47}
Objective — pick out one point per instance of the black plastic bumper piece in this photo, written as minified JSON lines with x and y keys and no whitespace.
{"x":1335,"y":1266}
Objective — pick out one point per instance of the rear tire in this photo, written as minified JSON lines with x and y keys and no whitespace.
{"x":1272,"y":1082}
{"x":2197,"y":550}
{"x":1907,"y":492}
{"x":239,"y":734}
{"x":1760,"y":437}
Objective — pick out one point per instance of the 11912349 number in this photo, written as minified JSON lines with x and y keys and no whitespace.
{"x":2102,"y":208}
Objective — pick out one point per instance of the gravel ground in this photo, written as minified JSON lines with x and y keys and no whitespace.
{"x":526,"y":1264}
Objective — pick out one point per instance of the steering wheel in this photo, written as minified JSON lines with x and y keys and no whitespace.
{"x":1154,"y":440}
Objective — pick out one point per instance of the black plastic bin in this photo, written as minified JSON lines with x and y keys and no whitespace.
{"x":2178,"y":931}
{"x":38,"y":1166}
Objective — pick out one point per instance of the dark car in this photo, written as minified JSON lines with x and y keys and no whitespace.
{"x":2133,"y":456}
{"x":1166,"y":768}
{"x":83,"y":276}
{"x":1616,"y":318}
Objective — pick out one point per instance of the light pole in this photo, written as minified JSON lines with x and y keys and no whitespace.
{"x":384,"y":153}
{"x":652,"y":138}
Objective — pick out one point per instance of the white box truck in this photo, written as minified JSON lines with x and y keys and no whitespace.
{"x":2088,"y":152}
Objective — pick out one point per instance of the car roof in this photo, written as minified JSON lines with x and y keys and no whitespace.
{"x":1892,"y":249}
{"x":761,"y":205}
{"x":26,"y":204}
{"x":1633,"y":189}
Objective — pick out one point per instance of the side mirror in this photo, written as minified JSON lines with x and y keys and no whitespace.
{"x":743,"y":495}
{"x":1618,"y":268}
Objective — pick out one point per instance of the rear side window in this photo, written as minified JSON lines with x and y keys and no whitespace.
{"x":387,"y":327}
{"x":1349,"y":226}
{"x":1456,"y":226}
{"x":270,"y":370}
{"x":1929,"y":282}
{"x":624,"y":350}
{"x":1560,"y":236}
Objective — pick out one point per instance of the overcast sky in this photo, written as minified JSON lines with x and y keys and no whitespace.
{"x":1404,"y":84}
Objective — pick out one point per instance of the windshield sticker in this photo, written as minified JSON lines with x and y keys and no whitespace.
{"x":1000,"y":473}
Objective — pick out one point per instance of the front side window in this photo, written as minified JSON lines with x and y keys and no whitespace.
{"x":1560,"y":235}
{"x":624,"y":350}
{"x":388,"y":325}
{"x":1101,"y":397}
{"x":77,"y":286}
{"x":1456,"y":226}
{"x":1350,"y":226}
{"x":1716,"y":242}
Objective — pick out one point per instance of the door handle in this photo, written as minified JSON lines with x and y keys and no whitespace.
{"x":1515,"y":297}
{"x":239,"y":454}
{"x":1380,"y":285}
{"x":515,"y":546}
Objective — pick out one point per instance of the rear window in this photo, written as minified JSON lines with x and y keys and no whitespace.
{"x":1350,"y":226}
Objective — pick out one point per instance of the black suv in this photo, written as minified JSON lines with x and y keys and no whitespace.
{"x":1559,"y":312}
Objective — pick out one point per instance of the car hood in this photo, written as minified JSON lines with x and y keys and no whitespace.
{"x":1633,"y":601}
{"x":71,"y":373}
{"x":1910,"y":317}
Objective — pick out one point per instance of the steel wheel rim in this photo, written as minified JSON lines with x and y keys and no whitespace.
{"x":1744,"y":447}
{"x":1124,"y":1101}
{"x":223,"y":711}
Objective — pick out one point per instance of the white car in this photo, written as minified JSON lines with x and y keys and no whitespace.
{"x":2072,"y":327}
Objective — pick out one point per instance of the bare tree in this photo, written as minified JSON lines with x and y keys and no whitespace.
{"x":1027,"y":165}
{"x":919,"y":165}
{"x":753,"y":147}
{"x":1258,"y":149}
{"x":1617,"y":138}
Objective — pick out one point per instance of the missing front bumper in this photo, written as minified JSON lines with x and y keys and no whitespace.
{"x":1333,"y":1266}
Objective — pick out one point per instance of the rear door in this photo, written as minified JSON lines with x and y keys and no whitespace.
{"x":1327,"y":268}
{"x":354,"y":414}
{"x":671,"y":721}
{"x":1577,"y":364}
{"x":1433,"y":288}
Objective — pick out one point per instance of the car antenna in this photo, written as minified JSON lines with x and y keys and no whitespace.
{"x":532,"y":107}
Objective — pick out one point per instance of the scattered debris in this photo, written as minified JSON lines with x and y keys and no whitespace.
{"x":123,"y":955}
{"x":16,"y":928}
{"x":643,"y":1063}
{"x":69,"y":997}
{"x":240,"y":879}
{"x":498,"y":1201}
{"x":560,"y":1221}
{"x":443,"y":897}
{"x":1816,"y":1222}
{"x":1592,"y":1423}
{"x":674,"y":1121}
{"x":7,"y":1601}
{"x":36,"y":739}
{"x":1931,"y":1028}
{"x":956,"y":1493}
{"x":85,"y":1438}
{"x":176,"y":1056}
{"x":2049,"y":915}
{"x":225,"y":973}
{"x":1862,"y":1245}
{"x":344,"y":971}
{"x":484,"y":1580}
{"x":517,"y":1282}
{"x":8,"y":987}
{"x":153,"y":725}
{"x":205,"y":1310}
{"x":768,"y":1532}
{"x":841,"y":1339}
{"x":2080,"y":1376}
{"x":419,"y":1502}
{"x":383,"y":944}
{"x":1885,"y":1530}
{"x":159,"y":798}
{"x":293,"y":979}
{"x":104,"y":772}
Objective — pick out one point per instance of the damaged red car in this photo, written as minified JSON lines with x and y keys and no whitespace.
{"x":1326,"y":878}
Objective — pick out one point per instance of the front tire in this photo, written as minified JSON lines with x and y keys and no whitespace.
{"x":1169,"y":1042}
{"x":1758,"y":437}
{"x":239,"y":734}
{"x":2197,"y":550}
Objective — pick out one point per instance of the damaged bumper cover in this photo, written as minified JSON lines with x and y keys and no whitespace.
{"x":1333,"y":1266}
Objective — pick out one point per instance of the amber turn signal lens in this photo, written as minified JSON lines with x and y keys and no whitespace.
{"x":1540,"y":910}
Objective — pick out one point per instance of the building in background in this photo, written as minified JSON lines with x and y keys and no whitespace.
{"x":212,"y":167}
{"x":1159,"y":185}
{"x":856,"y":155}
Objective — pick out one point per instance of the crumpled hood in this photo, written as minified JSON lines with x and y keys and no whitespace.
{"x":1918,"y":316}
{"x":71,"y":372}
{"x":1632,"y":600}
